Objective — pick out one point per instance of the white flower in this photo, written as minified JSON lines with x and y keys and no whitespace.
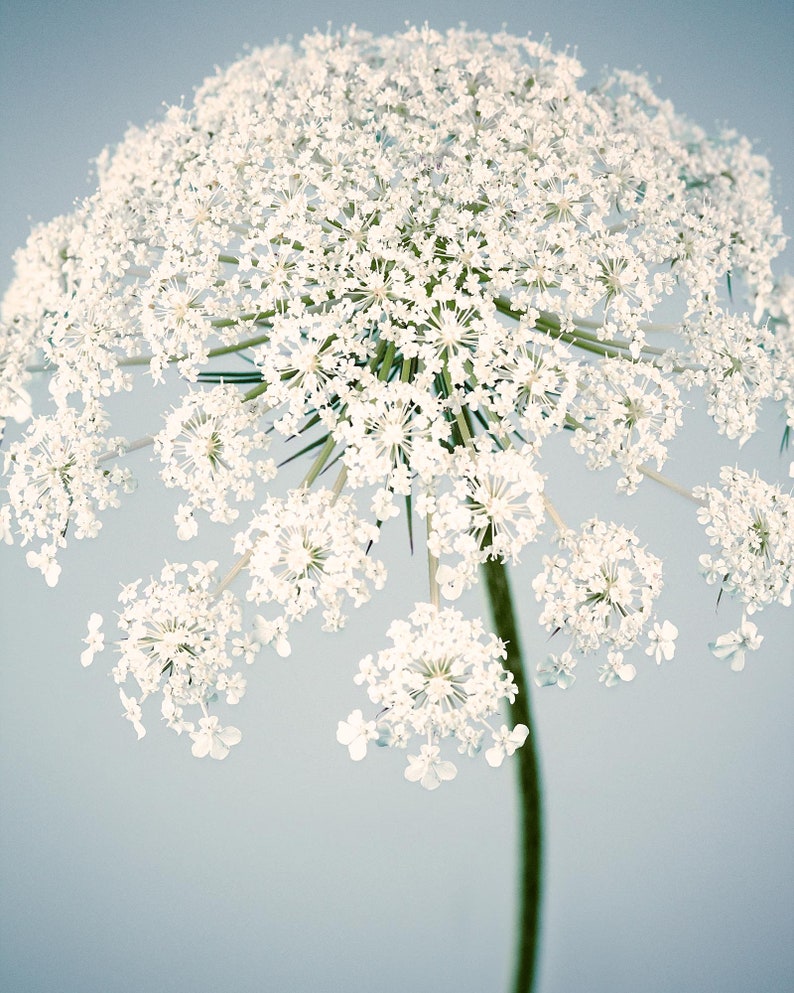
{"x":95,"y":640}
{"x":428,"y":769}
{"x":604,"y":592}
{"x":179,"y":639}
{"x":615,"y":670}
{"x":132,"y":712}
{"x":305,"y":551}
{"x":628,"y":410}
{"x":213,"y":740}
{"x":172,"y":715}
{"x":439,"y":679}
{"x":186,"y":526}
{"x":272,"y":633}
{"x":490,"y":505}
{"x":45,"y":562}
{"x":57,"y":484}
{"x":210,"y":447}
{"x":733,"y":646}
{"x":355,"y":732}
{"x":556,"y":670}
{"x":507,"y":742}
{"x":233,"y":686}
{"x":751,"y":525}
{"x":662,"y":641}
{"x":442,"y":677}
{"x":410,"y":261}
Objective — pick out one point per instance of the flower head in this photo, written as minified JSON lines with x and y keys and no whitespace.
{"x":751,"y":525}
{"x":383,"y":278}
{"x":442,"y":677}
{"x":601,"y":588}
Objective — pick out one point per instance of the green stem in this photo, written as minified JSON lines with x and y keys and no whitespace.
{"x":529,"y":801}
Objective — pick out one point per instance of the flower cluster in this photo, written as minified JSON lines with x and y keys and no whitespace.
{"x":601,"y":591}
{"x":438,"y":680}
{"x":750,"y":524}
{"x":211,"y":448}
{"x":407,"y":263}
{"x":179,"y":640}
{"x":307,"y":550}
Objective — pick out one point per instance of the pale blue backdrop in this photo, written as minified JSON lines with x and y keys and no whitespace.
{"x":132,"y":867}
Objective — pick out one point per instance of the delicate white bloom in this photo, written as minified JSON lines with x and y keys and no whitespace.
{"x":304,"y":551}
{"x":738,"y":370}
{"x":615,"y":670}
{"x":662,"y":641}
{"x":507,"y":742}
{"x":492,"y":509}
{"x":213,"y":740}
{"x":211,"y":447}
{"x":172,"y":714}
{"x":388,"y":427}
{"x":412,"y":263}
{"x":45,"y":562}
{"x":439,"y":679}
{"x":273,"y":633}
{"x":536,"y":380}
{"x":233,"y":685}
{"x":556,"y":670}
{"x":177,"y":634}
{"x":601,"y":589}
{"x":428,"y":769}
{"x":56,"y":484}
{"x":356,"y":733}
{"x":186,"y":526}
{"x":628,"y":411}
{"x":95,"y":640}
{"x":733,"y":646}
{"x":751,"y":525}
{"x":132,"y":712}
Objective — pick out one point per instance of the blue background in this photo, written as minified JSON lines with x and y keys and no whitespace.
{"x":669,"y":808}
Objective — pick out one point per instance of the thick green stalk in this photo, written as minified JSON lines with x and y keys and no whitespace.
{"x":529,"y":804}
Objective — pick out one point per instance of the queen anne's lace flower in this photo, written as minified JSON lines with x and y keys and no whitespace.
{"x":602,"y":588}
{"x":615,"y":670}
{"x":662,"y":641}
{"x":557,"y":670}
{"x":177,"y":640}
{"x":751,"y":525}
{"x":738,"y":370}
{"x":442,"y":677}
{"x":494,"y":507}
{"x":57,"y":483}
{"x":627,"y":411}
{"x":213,"y":740}
{"x":507,"y":742}
{"x":421,"y":257}
{"x":733,"y":646}
{"x":306,"y":551}
{"x":210,"y":447}
{"x":95,"y":640}
{"x":355,"y":732}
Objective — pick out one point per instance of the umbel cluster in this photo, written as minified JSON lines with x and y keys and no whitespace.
{"x":407,"y":263}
